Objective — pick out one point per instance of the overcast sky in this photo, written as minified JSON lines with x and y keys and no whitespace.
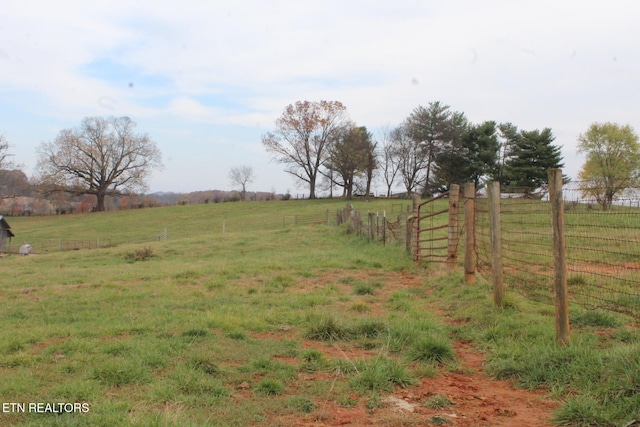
{"x":206,"y":78}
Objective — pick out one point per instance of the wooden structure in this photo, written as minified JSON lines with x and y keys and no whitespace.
{"x":5,"y":232}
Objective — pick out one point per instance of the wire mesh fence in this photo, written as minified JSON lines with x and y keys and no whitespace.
{"x":603,"y":251}
{"x":527,"y":249}
{"x":55,"y":245}
{"x":375,"y":226}
{"x":602,"y":248}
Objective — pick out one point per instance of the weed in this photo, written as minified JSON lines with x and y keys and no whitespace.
{"x":347,"y":402}
{"x":581,"y":411}
{"x":301,"y":404}
{"x":311,"y":356}
{"x":188,"y":381}
{"x":195,"y":333}
{"x":237,"y":335}
{"x":142,"y":254}
{"x":313,"y":361}
{"x":362,"y":288}
{"x":374,"y":402}
{"x":438,"y":420}
{"x":426,"y":370}
{"x":269,"y":387}
{"x":325,"y":328}
{"x":431,"y":348}
{"x":380,"y":374}
{"x":118,"y":373}
{"x":368,"y":328}
{"x":360,"y":307}
{"x":205,"y":365}
{"x":437,"y":401}
{"x":400,"y":301}
{"x":597,"y":318}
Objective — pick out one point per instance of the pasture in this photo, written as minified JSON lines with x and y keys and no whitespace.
{"x":244,"y":316}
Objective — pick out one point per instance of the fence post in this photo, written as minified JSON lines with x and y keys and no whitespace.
{"x":559,"y":256}
{"x":409,"y":233}
{"x":415,"y":226}
{"x":452,"y":246}
{"x":470,"y":236}
{"x":495,"y":232}
{"x":384,"y":228}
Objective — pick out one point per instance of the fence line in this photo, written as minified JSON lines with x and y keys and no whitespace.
{"x":602,"y":249}
{"x":376,"y":226}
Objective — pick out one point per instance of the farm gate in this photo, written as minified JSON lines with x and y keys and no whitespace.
{"x":436,"y":229}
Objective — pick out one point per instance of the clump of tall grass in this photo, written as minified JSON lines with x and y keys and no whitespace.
{"x":431,"y":348}
{"x":437,"y":401}
{"x":328,"y":328}
{"x":380,"y":374}
{"x":313,"y":361}
{"x":119,"y":373}
{"x":269,"y":387}
{"x":301,"y":404}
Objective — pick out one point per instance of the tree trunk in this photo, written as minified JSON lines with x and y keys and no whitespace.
{"x":312,"y":188}
{"x":100,"y":203}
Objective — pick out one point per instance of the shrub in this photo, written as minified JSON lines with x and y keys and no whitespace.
{"x":142,"y":254}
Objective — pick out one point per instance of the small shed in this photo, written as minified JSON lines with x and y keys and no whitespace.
{"x":5,"y":232}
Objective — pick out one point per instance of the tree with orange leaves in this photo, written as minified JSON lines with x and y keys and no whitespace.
{"x":302,"y":136}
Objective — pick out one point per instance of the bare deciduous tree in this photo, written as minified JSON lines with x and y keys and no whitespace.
{"x":302,"y":135}
{"x":4,"y":152}
{"x":390,"y":163}
{"x":412,"y":163}
{"x":13,"y":181}
{"x":103,"y":156}
{"x":241,"y":175}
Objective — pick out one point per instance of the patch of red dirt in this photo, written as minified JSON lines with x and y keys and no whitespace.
{"x":476,"y":399}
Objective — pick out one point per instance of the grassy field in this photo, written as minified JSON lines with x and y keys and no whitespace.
{"x":208,"y":328}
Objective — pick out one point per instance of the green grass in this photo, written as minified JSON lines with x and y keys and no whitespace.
{"x":220,"y":329}
{"x":598,"y":370}
{"x":181,"y":323}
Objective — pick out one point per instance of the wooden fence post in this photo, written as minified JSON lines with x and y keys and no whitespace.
{"x":371,"y":232}
{"x":559,"y":256}
{"x":415,"y":225}
{"x":452,"y":246}
{"x":470,"y":233}
{"x":409,"y":232}
{"x":495,"y":232}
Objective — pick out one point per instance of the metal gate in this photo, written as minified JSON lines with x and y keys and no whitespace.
{"x":436,"y":229}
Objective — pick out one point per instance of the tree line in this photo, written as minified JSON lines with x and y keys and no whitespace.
{"x":324,"y":149}
{"x":436,"y":146}
{"x":431,"y":149}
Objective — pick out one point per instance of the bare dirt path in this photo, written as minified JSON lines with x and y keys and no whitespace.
{"x":476,"y":400}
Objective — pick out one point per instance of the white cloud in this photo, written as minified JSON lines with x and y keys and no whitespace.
{"x":205,"y":66}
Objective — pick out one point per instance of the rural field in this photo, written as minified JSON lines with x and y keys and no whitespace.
{"x":260,"y":314}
